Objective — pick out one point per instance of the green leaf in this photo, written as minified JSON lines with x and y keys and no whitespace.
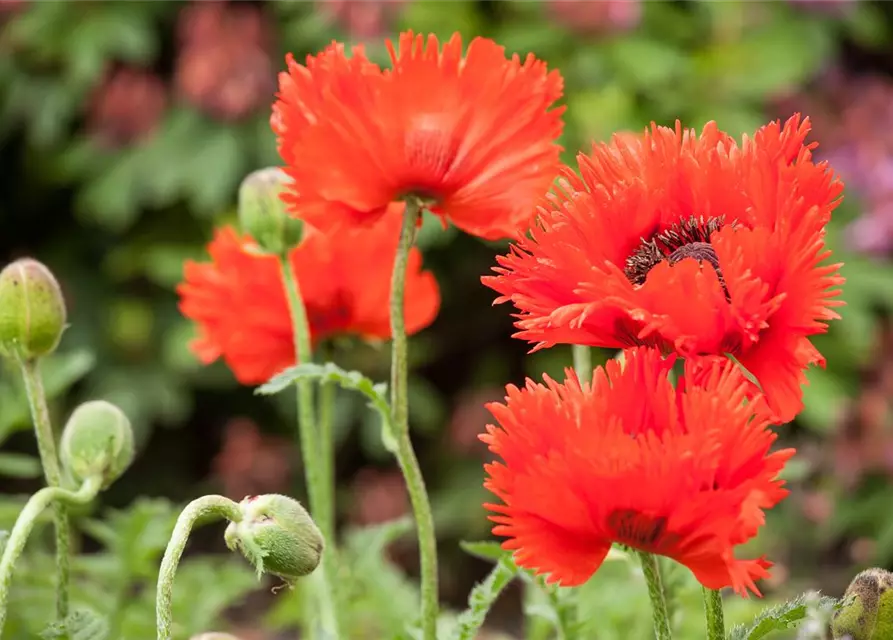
{"x":19,"y":465}
{"x":376,"y":394}
{"x":779,"y":618}
{"x":482,"y":598}
{"x":83,"y":624}
{"x":490,"y":551}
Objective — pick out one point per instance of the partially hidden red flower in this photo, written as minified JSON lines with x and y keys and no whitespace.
{"x":474,"y":134}
{"x":693,"y":244}
{"x":239,"y":303}
{"x":682,"y":472}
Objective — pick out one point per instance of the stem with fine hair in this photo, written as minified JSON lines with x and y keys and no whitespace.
{"x":659,"y":612}
{"x":46,"y":445}
{"x":198,"y":509}
{"x":319,"y":486}
{"x":716,"y":628}
{"x":406,"y":457}
{"x":25,"y":523}
{"x":583,"y":362}
{"x":326,"y":407}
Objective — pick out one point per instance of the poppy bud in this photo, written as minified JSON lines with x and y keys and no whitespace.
{"x":262,"y":214}
{"x":32,"y":311}
{"x":277,"y":535}
{"x":866,"y":611}
{"x":97,"y":441}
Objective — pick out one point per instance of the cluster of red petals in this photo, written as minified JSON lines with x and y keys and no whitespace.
{"x":475,"y":134}
{"x":682,"y":472}
{"x":767,"y":293}
{"x":239,"y":303}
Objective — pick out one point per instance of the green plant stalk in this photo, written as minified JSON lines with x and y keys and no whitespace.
{"x":583,"y":362}
{"x":317,"y":472}
{"x":25,"y":523}
{"x":326,"y":406}
{"x":49,"y":459}
{"x":656,"y":595}
{"x":198,"y":509}
{"x":716,"y":628}
{"x":409,"y":464}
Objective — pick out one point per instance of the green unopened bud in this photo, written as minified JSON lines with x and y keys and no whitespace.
{"x":97,"y":441}
{"x":262,"y":214}
{"x":277,"y":536}
{"x":866,"y":611}
{"x":32,"y":311}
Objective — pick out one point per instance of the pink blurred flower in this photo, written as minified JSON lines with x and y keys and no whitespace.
{"x":224,"y":66}
{"x":596,"y":16}
{"x":378,"y":496}
{"x":363,"y":19}
{"x":470,"y":419}
{"x":126,"y":107}
{"x":250,"y":462}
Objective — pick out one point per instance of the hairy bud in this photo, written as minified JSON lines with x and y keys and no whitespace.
{"x":32,"y":311}
{"x":277,"y":535}
{"x":97,"y":441}
{"x":866,"y":612}
{"x":262,"y":214}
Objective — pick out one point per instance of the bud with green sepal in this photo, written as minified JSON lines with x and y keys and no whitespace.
{"x":277,"y":535}
{"x":32,"y":310}
{"x":866,"y":610}
{"x":97,"y":441}
{"x":262,"y":214}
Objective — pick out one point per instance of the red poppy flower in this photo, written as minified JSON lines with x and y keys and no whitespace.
{"x":689,"y":243}
{"x":473,"y":134}
{"x":684,"y":473}
{"x":239,"y":303}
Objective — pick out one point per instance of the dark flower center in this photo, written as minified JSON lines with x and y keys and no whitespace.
{"x":636,"y":529}
{"x":686,"y":239}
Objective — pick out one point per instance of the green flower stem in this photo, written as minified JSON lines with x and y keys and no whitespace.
{"x":406,"y":457}
{"x":199,"y":509}
{"x":25,"y":523}
{"x":46,"y":444}
{"x":319,"y":479}
{"x":716,"y":628}
{"x":656,"y":594}
{"x":326,"y":406}
{"x":583,"y":362}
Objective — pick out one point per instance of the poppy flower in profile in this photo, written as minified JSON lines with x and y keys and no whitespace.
{"x":693,"y":244}
{"x":473,"y":134}
{"x":238,"y":298}
{"x":681,"y":472}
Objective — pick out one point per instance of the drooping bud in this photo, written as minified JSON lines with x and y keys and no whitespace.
{"x":97,"y":441}
{"x":277,"y":536}
{"x":32,"y":310}
{"x":262,"y":214}
{"x":866,"y":612}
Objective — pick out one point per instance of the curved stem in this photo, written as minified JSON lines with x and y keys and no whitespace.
{"x":656,"y":595}
{"x":46,"y":445}
{"x":195,"y":510}
{"x":25,"y":523}
{"x":716,"y":628}
{"x":312,"y":450}
{"x":406,"y":457}
{"x":583,"y":362}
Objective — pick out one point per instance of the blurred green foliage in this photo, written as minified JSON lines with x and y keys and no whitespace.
{"x":116,"y":223}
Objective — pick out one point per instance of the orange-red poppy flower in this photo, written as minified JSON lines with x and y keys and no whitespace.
{"x":238,"y":298}
{"x":474,"y":134}
{"x":682,"y":472}
{"x":689,"y":243}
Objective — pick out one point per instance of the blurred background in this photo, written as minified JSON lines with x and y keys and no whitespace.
{"x":126,"y":127}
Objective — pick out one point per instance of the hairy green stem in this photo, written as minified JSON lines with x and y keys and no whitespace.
{"x":406,"y":457}
{"x":583,"y":362}
{"x":319,"y":485}
{"x":326,"y":406}
{"x":716,"y":627}
{"x":25,"y":523}
{"x":46,"y":444}
{"x":198,"y":509}
{"x":656,"y":594}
